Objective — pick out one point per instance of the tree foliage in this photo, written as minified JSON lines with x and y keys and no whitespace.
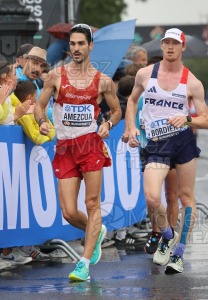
{"x":99,"y":13}
{"x":199,"y":67}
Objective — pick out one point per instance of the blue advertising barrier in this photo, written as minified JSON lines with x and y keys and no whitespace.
{"x":29,"y":208}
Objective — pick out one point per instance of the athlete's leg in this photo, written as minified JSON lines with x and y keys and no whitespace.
{"x":186,"y":181}
{"x":171,"y":193}
{"x":154,"y":176}
{"x":68,"y":194}
{"x":93,"y":181}
{"x":186,"y":174}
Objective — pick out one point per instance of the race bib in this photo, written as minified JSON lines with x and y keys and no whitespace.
{"x":80,"y":115}
{"x":141,"y":120}
{"x":160,"y":128}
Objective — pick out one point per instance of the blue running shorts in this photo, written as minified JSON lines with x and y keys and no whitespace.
{"x":178,"y":149}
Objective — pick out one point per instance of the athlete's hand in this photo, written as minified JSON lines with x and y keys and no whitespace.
{"x":125,"y":136}
{"x":133,"y":138}
{"x":45,"y":128}
{"x":177,"y":122}
{"x":103,"y":131}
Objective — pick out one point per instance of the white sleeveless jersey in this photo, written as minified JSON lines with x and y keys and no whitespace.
{"x":160,"y":104}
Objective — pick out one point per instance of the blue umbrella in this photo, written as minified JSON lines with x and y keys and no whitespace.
{"x":111,"y":44}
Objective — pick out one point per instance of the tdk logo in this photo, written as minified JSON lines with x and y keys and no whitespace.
{"x":152,"y":90}
{"x":78,"y":108}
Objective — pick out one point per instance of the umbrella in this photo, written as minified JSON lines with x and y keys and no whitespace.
{"x":195,"y":47}
{"x":61,"y":30}
{"x":111,"y":44}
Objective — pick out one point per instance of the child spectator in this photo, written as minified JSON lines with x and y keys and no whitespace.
{"x":26,"y":90}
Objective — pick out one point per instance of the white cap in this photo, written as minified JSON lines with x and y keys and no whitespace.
{"x":176,"y":34}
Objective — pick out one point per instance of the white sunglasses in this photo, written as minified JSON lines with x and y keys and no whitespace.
{"x":84,"y":26}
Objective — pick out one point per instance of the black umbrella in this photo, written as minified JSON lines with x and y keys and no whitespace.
{"x":195,"y":47}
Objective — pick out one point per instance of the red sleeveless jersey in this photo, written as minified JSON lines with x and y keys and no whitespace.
{"x":68,"y":94}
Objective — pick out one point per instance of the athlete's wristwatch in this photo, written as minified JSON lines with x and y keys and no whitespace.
{"x":110,"y":124}
{"x":41,"y":121}
{"x":189,"y":119}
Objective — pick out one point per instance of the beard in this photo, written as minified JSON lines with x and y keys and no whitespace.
{"x":36,"y":73}
{"x":79,"y":59}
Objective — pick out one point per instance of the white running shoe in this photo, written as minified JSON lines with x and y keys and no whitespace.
{"x":35,"y":253}
{"x":107,"y":242}
{"x":15,"y":258}
{"x":175,"y":265}
{"x":58,"y":253}
{"x":162,"y":255}
{"x":4,"y":265}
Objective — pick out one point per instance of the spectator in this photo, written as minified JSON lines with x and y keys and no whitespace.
{"x":34,"y":67}
{"x":132,"y":69}
{"x":8,"y":81}
{"x":137,"y":54}
{"x":20,"y":60}
{"x":57,"y":52}
{"x":120,"y":72}
{"x":26,"y":90}
{"x":125,"y":86}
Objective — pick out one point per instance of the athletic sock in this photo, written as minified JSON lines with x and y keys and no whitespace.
{"x":179,"y":250}
{"x":167,"y":233}
{"x":86,"y":261}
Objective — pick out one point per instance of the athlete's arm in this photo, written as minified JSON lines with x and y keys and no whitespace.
{"x":41,"y":105}
{"x":195,"y":94}
{"x":108,"y":91}
{"x":198,"y":98}
{"x":132,"y":105}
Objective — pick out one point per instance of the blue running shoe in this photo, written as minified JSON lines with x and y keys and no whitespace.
{"x":96,"y":255}
{"x":80,"y":273}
